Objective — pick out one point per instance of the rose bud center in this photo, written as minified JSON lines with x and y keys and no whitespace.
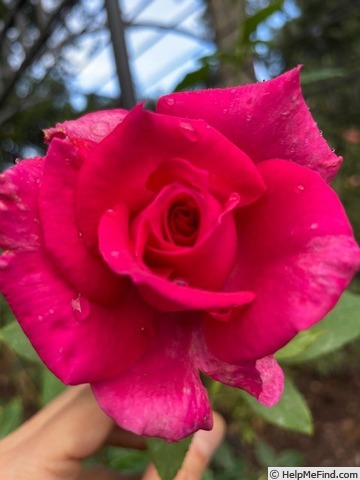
{"x":183,"y":221}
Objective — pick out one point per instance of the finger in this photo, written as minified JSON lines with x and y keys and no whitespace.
{"x":201,"y":450}
{"x":102,"y":473}
{"x":36,"y":422}
{"x":122,"y":438}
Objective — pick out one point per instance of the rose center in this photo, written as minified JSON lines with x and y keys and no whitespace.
{"x":183,"y":221}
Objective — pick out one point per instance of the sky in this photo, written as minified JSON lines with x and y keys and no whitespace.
{"x":159,"y":59}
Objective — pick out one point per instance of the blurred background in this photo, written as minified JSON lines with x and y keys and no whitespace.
{"x":60,"y":59}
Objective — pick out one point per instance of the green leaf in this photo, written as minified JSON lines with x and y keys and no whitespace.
{"x":339,"y":327}
{"x":16,"y":339}
{"x":51,"y":386}
{"x":313,"y":76}
{"x":197,"y":77}
{"x":253,"y":21}
{"x":291,"y":412}
{"x":10,"y":417}
{"x":168,"y":457}
{"x":127,"y":460}
{"x":298,"y":345}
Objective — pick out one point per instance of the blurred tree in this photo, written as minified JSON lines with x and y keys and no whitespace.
{"x":36,"y":68}
{"x":325,"y":38}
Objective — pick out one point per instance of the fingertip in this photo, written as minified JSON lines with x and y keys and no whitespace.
{"x":202,"y":448}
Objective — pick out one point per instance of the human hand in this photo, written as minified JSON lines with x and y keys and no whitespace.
{"x":53,"y":444}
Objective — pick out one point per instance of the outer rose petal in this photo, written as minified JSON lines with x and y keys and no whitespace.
{"x":162,"y":394}
{"x":85,"y":270}
{"x":262,"y":378}
{"x":296,"y":252}
{"x":266,"y":120}
{"x":162,"y":294}
{"x":118,"y":169}
{"x":77,"y":339}
{"x":92,"y":126}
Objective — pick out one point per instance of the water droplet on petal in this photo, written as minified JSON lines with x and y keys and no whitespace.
{"x":51,"y":311}
{"x":18,"y":160}
{"x":170,"y":101}
{"x":180,"y":281}
{"x":248,"y":117}
{"x":81,"y":307}
{"x":186,"y":391}
{"x":232,"y":201}
{"x":4,"y":263}
{"x":314,"y":226}
{"x":299,"y":188}
{"x":40,"y":318}
{"x":112,"y":213}
{"x":3,"y":207}
{"x":21,"y":206}
{"x":233,"y":90}
{"x":99,"y":128}
{"x":222,"y":315}
{"x":115,"y":254}
{"x":225,"y":110}
{"x":189,"y":131}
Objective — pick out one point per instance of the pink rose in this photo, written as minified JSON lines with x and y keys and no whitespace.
{"x":146,"y":247}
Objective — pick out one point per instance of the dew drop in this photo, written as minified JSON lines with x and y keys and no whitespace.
{"x":36,"y":220}
{"x":4,"y":263}
{"x":112,"y":213}
{"x":80,"y":234}
{"x":233,"y":90}
{"x":314,"y":226}
{"x":18,"y":160}
{"x":115,"y":254}
{"x":180,"y":281}
{"x":81,"y":307}
{"x":40,"y":318}
{"x":3,"y":207}
{"x":222,"y":315}
{"x":248,"y":117}
{"x":225,"y":110}
{"x":299,"y":188}
{"x":51,"y":311}
{"x":100,"y":128}
{"x":189,"y":131}
{"x":170,"y":101}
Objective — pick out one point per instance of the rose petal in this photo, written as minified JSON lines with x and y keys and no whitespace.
{"x":162,"y":394}
{"x":118,"y":169}
{"x":76,"y":338}
{"x":266,"y":120}
{"x":296,"y":252}
{"x":93,"y":126}
{"x":84,"y":270}
{"x":263,"y":379}
{"x":162,"y":294}
{"x":191,"y":264}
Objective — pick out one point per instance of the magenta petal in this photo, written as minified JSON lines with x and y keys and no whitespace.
{"x":119,"y":168}
{"x":93,"y":126}
{"x":296,"y":252}
{"x":266,"y":120}
{"x":76,"y":338}
{"x":164,"y":295}
{"x":263,"y":379}
{"x":162,"y":394}
{"x":85,"y":270}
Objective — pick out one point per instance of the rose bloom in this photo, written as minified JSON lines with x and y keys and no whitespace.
{"x":147,"y":247}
